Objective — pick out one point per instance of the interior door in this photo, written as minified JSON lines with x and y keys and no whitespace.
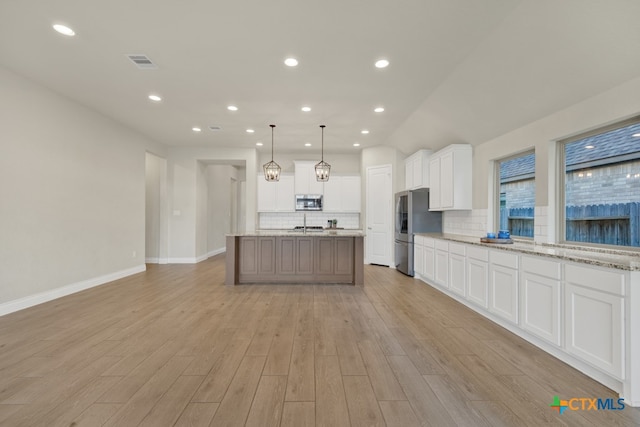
{"x":379,"y":233}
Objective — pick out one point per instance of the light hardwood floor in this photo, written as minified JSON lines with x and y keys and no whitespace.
{"x":174,"y":346}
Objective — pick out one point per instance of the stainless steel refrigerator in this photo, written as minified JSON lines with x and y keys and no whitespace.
{"x":412,"y":216}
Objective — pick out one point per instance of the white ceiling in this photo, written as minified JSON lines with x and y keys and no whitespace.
{"x":461,"y":70}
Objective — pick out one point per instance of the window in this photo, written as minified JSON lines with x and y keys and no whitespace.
{"x":516,"y":185}
{"x":601,"y":194}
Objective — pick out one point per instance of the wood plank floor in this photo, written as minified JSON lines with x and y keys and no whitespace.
{"x":174,"y":346}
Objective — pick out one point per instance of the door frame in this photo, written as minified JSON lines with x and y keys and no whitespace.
{"x":370,"y":193}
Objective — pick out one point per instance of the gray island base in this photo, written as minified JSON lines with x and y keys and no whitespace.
{"x":295,"y":258}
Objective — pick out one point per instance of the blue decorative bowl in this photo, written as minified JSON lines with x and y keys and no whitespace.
{"x":504,"y":234}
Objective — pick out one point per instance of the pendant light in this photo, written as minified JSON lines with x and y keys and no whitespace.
{"x":271,"y":169}
{"x":322,"y":168}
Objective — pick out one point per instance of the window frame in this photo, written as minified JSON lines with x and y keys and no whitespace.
{"x":561,"y":173}
{"x":497,"y":192}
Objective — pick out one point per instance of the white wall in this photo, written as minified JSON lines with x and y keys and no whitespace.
{"x":72,"y":195}
{"x":187,"y":188}
{"x":155,"y":209}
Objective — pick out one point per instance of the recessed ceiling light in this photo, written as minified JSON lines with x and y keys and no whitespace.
{"x":355,"y":144}
{"x":232,"y":108}
{"x":259,"y":144}
{"x":196,"y":129}
{"x":63,"y":29}
{"x":364,"y":131}
{"x":250,"y":131}
{"x":379,"y":109}
{"x":307,"y":144}
{"x":382,"y":63}
{"x":155,"y":98}
{"x":589,"y":147}
{"x":637,"y":135}
{"x":306,"y":109}
{"x":291,"y":62}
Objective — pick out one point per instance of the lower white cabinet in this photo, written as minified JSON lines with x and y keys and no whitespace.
{"x":594,"y":316}
{"x":457,"y":268}
{"x":478,"y":276}
{"x":503,"y":285}
{"x":540,"y":297}
{"x":441,"y":275}
{"x":429,"y":259}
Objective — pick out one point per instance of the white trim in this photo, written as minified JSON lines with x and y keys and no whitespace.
{"x":182,"y":260}
{"x":155,"y":260}
{"x":217,"y":252}
{"x":42,"y":297}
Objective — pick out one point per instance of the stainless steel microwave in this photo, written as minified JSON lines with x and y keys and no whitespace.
{"x":308,"y":202}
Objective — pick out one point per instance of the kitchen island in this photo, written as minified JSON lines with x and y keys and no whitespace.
{"x":276,"y":256}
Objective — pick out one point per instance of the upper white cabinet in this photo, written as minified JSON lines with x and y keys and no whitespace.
{"x":450,"y":178}
{"x":276,"y":196}
{"x":342,"y":194}
{"x":305,"y":178}
{"x":416,"y":168}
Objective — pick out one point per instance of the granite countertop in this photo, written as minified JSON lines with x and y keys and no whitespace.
{"x":279,"y":233}
{"x":611,"y":258}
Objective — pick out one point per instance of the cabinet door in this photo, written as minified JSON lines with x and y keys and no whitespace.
{"x":304,"y":254}
{"x":503,"y":292}
{"x":408,"y":173}
{"x":324,"y":255}
{"x":442,"y":268}
{"x":266,"y":256}
{"x":446,"y":180}
{"x":266,"y":195}
{"x":457,"y":274}
{"x":417,"y":171}
{"x":286,"y":256}
{"x":343,"y":255}
{"x":332,"y":195}
{"x":434,"y":179}
{"x":540,"y":302}
{"x":305,"y":179}
{"x":248,"y":255}
{"x":594,"y":328}
{"x":418,"y":259}
{"x":429,"y":263}
{"x":478,"y":281}
{"x":350,"y":193}
{"x":285,"y":197}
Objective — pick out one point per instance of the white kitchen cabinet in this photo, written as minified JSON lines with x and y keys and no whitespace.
{"x":540,"y":296}
{"x":416,"y":168}
{"x":594,"y":317}
{"x":342,"y":194}
{"x":503,"y":285}
{"x":478,"y":276}
{"x":428,"y":262}
{"x":305,"y":178}
{"x":441,"y":275}
{"x":450,"y":178}
{"x":276,"y":196}
{"x":418,"y":255}
{"x":457,"y":268}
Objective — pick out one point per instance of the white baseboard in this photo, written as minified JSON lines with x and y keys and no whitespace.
{"x":42,"y":297}
{"x":217,"y":252}
{"x":195,"y":260}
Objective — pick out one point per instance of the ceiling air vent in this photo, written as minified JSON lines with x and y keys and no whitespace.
{"x":142,"y":61}
{"x":215,"y":128}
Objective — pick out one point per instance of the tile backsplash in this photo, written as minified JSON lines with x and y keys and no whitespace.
{"x":287,"y":220}
{"x":469,"y":223}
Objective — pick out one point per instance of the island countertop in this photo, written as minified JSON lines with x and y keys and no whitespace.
{"x":291,"y":233}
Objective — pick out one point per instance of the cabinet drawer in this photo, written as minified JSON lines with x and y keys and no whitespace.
{"x":442,"y":245}
{"x":504,"y":259}
{"x":456,"y":248}
{"x":428,"y":242}
{"x":541,"y":267}
{"x":596,"y":278}
{"x":418,"y":240}
{"x":478,"y":253}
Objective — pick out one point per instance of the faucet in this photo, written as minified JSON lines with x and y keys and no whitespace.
{"x":304,"y":226}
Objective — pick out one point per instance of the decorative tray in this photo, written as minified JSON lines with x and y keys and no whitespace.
{"x":489,"y":240}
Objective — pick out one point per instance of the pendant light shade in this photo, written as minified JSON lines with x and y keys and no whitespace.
{"x":322,"y":168}
{"x":271,"y":169}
